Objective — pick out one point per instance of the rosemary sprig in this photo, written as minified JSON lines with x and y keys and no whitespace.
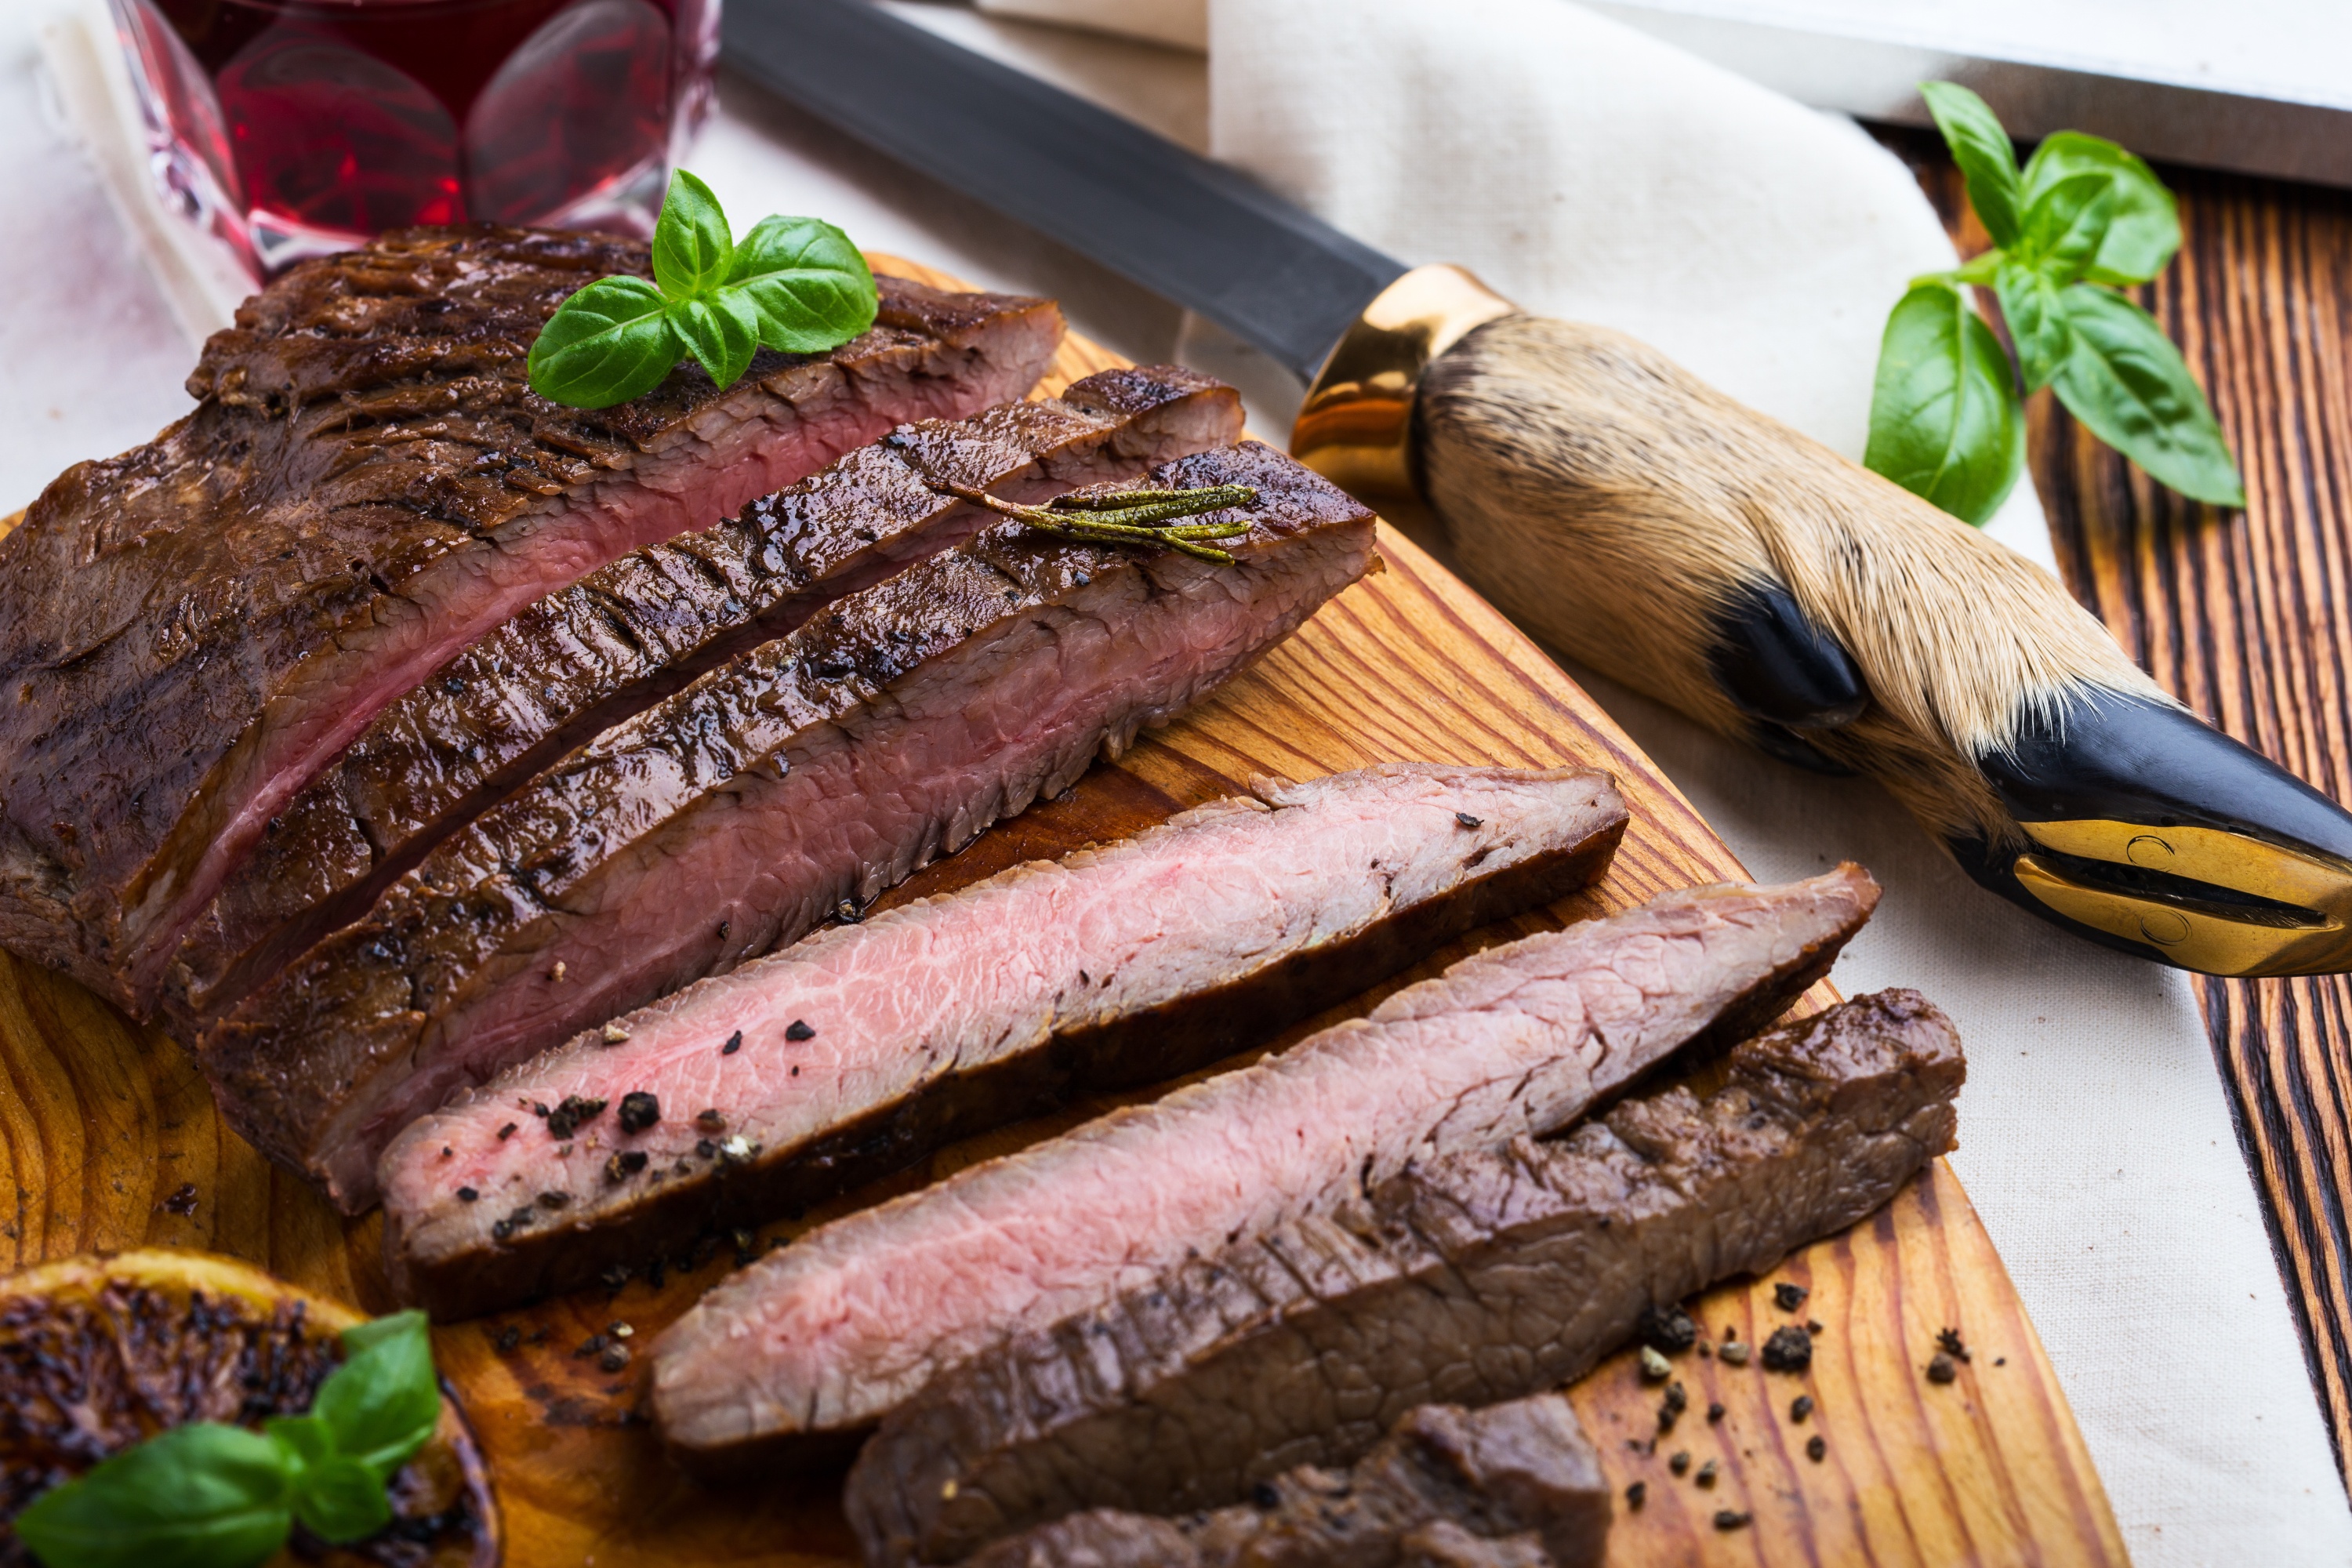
{"x":1129,"y":517}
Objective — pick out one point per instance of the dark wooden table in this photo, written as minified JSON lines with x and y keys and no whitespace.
{"x":2247,"y":617}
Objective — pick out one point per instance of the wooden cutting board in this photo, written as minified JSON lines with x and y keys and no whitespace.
{"x":111,"y":1140}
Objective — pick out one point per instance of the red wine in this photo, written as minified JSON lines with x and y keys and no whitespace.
{"x":293,"y":128}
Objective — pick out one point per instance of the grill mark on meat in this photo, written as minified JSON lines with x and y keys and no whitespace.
{"x":1304,"y":1345}
{"x":765,"y":796}
{"x":638,"y":631}
{"x":813,"y":1343}
{"x":261,"y":564}
{"x":1240,"y":921}
{"x":1517,"y":1485}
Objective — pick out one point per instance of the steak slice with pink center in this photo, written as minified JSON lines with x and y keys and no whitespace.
{"x":367,"y":485}
{"x":1476,"y":1277}
{"x":865,"y":1047}
{"x":818,"y":1342}
{"x":737,"y":813}
{"x":586,"y":657}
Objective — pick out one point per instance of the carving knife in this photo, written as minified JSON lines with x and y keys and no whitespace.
{"x":1650,"y":526}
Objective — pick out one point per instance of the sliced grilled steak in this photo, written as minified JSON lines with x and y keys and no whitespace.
{"x":584,"y":658}
{"x":738,"y":812}
{"x":1512,"y":1486}
{"x":866,"y":1047}
{"x":189,"y":632}
{"x":826,"y":1337}
{"x":1476,"y":1277}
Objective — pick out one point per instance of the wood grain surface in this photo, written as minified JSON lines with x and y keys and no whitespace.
{"x":2247,"y":617}
{"x":101,"y":1122}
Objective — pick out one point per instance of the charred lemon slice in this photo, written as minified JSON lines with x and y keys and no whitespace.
{"x":101,"y":1351}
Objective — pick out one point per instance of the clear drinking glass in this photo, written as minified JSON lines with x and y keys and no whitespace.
{"x":295,"y":128}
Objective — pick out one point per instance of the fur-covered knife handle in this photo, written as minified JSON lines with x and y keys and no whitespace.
{"x":1677,"y":541}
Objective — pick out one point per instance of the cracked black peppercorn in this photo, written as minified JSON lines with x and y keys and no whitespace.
{"x":1731,"y":1519}
{"x":1706,"y":1475}
{"x":1942,"y":1369}
{"x":1817,"y":1448}
{"x":734,"y":1042}
{"x":1667,"y":1329}
{"x":468,"y":1195}
{"x":1714,"y":1412}
{"x":1788,"y":1297}
{"x":1636,"y":1495}
{"x":639,"y":1111}
{"x":799,"y":1030}
{"x":1680,"y":1463}
{"x":1949,"y":1341}
{"x":1800,"y":1407}
{"x":1791,"y":1349}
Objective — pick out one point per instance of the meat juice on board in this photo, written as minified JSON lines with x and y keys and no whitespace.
{"x":294,"y":128}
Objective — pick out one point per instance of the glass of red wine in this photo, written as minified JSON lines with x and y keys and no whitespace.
{"x":298,"y":127}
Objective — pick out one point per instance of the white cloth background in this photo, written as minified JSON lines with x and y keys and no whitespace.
{"x":1586,"y":171}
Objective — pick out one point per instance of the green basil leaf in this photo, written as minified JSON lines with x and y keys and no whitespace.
{"x":722,"y":333}
{"x":2065,"y":224}
{"x":306,"y":1439}
{"x":810,"y":285}
{"x":1983,"y":150}
{"x":606,"y":344}
{"x":383,"y":1403}
{"x":2037,"y":322}
{"x":341,"y":1500}
{"x":2128,"y":383}
{"x":692,"y":247}
{"x":202,"y":1496}
{"x":1944,"y":418}
{"x":2143,"y":229}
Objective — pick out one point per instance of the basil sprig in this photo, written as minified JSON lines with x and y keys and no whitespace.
{"x":792,"y":284}
{"x":2082,"y":218}
{"x":211,"y":1496}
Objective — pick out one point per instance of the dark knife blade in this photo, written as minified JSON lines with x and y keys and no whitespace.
{"x":1188,"y":229}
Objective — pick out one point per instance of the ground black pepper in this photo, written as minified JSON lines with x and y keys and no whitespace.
{"x":1714,"y":1412}
{"x":1706,"y":1475}
{"x":639,"y":1112}
{"x":507,"y":1130}
{"x":734,"y":1042}
{"x":509,"y":1337}
{"x":1636,"y":1495}
{"x":1791,"y":1349}
{"x":1680,"y":1463}
{"x":590,"y":1346}
{"x":705,"y":1149}
{"x":183,"y":1200}
{"x":1789,"y":1296}
{"x":1949,"y":1341}
{"x":572,"y":1115}
{"x":614,"y":1358}
{"x":1667,"y":1329}
{"x":1467,"y":820}
{"x":1817,"y":1448}
{"x":710,"y":1121}
{"x":622,"y":1166}
{"x":554,"y":1200}
{"x":468,"y":1195}
{"x":1800,"y":1407}
{"x":798,"y":1030}
{"x":1942,"y":1369}
{"x":1731,"y":1519}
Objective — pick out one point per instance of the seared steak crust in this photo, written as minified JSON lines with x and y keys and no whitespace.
{"x":735,"y":815}
{"x":190,"y":630}
{"x":630,"y":633}
{"x":1512,"y":1486}
{"x":865,"y":1047}
{"x":1477,"y":1277}
{"x":818,"y":1341}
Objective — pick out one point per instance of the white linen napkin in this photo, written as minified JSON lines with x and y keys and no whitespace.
{"x":1589,"y":171}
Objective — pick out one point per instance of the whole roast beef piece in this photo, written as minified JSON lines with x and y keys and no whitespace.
{"x":192,"y":630}
{"x":577,"y":662}
{"x":795,"y":781}
{"x":1516,"y":1484}
{"x":1471,"y":1278}
{"x":865,"y":1047}
{"x":819,"y":1341}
